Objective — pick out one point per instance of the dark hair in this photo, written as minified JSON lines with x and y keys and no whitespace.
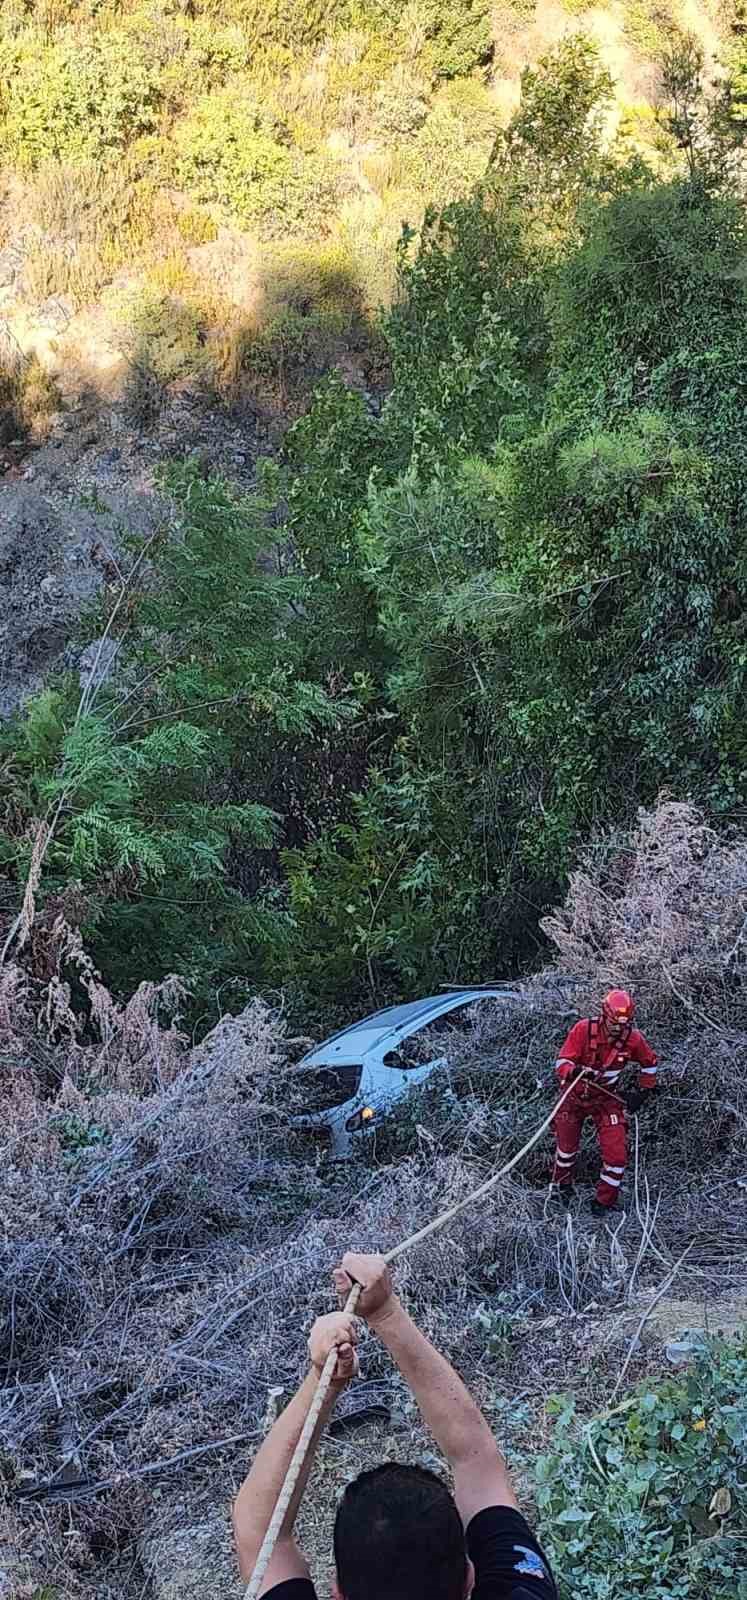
{"x":399,"y":1536}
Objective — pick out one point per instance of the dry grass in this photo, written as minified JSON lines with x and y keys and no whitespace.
{"x":28,"y":396}
{"x":84,"y":221}
{"x":665,"y":913}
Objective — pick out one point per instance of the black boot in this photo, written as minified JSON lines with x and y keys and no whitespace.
{"x":563,"y":1194}
{"x":598,"y":1209}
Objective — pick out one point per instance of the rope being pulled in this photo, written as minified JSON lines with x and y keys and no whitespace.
{"x":325,"y":1376}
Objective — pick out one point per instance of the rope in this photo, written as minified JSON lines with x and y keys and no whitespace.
{"x":325,"y":1377}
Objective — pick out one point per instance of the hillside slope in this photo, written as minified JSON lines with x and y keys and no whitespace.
{"x":216,"y":197}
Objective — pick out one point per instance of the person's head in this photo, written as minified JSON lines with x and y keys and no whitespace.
{"x":618,"y":1011}
{"x":399,"y":1536}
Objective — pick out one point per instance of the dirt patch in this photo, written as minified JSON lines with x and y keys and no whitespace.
{"x":193,"y":1562}
{"x":673,"y":1317}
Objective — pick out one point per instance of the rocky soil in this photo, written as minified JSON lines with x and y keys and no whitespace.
{"x":70,"y":503}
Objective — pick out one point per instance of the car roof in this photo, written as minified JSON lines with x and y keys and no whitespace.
{"x":351,"y":1044}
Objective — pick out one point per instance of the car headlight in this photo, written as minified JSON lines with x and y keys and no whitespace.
{"x":360,"y":1120}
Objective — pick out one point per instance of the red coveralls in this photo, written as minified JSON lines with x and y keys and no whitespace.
{"x":587,"y":1045}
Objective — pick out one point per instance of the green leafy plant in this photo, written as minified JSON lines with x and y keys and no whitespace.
{"x":647,"y":1499}
{"x":77,"y":1136}
{"x":231,"y":150}
{"x":72,"y":98}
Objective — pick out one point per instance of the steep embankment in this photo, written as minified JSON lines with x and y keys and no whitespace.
{"x":150,"y":265}
{"x":167,"y":1239}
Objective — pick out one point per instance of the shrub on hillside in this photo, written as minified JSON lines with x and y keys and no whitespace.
{"x":461,"y":35}
{"x":646,"y":1499}
{"x":164,"y":332}
{"x":474,"y":105}
{"x":200,"y":52}
{"x":664,"y":911}
{"x":286,"y":355}
{"x":230,"y":150}
{"x":371,"y":228}
{"x":73,"y":97}
{"x":28,"y":396}
{"x":448,"y":155}
{"x":457,"y":38}
{"x":84,"y":220}
{"x":196,"y":226}
{"x":310,"y":277}
{"x":292,"y":25}
{"x":399,"y":105}
{"x":310,"y":310}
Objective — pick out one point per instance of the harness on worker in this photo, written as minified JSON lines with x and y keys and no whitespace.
{"x":595,"y":1046}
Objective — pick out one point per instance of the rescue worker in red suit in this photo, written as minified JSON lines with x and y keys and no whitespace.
{"x":605,"y":1045}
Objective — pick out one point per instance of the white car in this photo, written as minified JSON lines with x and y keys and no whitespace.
{"x":353,"y":1080}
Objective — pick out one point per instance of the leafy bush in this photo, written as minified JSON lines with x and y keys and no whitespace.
{"x":459,"y":38}
{"x":228,"y":149}
{"x":73,"y":98}
{"x":553,"y":155}
{"x":77,"y":1135}
{"x":400,"y":104}
{"x":647,"y":1498}
{"x":373,"y":904}
{"x":164,"y":324}
{"x":448,"y":155}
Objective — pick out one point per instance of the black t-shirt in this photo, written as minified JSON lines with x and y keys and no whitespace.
{"x":508,"y":1562}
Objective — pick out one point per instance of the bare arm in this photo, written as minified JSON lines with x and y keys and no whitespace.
{"x":456,"y":1422}
{"x":257,"y":1497}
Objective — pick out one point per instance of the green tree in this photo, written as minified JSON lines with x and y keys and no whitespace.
{"x":552,"y":538}
{"x":553,"y":156}
{"x":154,"y":786}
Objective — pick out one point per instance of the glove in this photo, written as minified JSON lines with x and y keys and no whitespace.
{"x":568,"y":1071}
{"x":635,"y":1099}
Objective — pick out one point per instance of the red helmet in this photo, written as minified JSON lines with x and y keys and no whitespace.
{"x":618,"y":1008}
